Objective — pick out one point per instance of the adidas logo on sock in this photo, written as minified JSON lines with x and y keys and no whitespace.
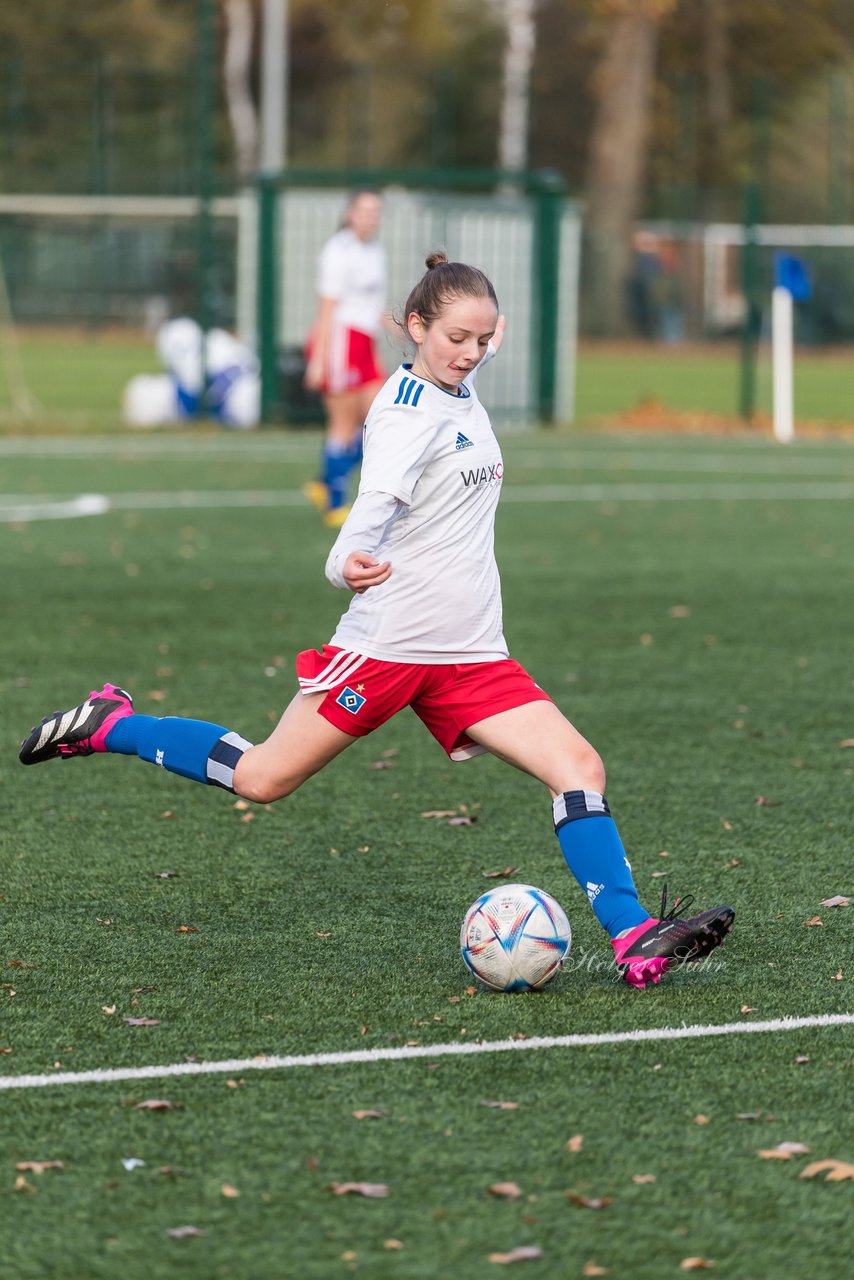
{"x":593,"y":891}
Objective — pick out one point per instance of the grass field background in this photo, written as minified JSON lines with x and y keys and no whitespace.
{"x":77,"y":378}
{"x":688,"y":604}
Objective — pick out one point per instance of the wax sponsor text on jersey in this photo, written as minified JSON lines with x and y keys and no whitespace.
{"x":491,"y":474}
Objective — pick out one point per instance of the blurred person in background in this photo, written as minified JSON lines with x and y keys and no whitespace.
{"x":343,"y":365}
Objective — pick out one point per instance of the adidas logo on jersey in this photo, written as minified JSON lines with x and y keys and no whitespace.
{"x":463,"y":442}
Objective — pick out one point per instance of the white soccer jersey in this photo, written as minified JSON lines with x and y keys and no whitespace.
{"x":436,"y":454}
{"x":353,"y":272}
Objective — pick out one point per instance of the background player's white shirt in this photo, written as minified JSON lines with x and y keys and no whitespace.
{"x":435,"y":453}
{"x":353,"y":272}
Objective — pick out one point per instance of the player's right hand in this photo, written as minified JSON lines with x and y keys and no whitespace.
{"x":361,"y":570}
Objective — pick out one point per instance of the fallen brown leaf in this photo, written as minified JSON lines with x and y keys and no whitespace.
{"x":5,"y":1049}
{"x":21,"y":964}
{"x":813,"y":921}
{"x":166,"y":875}
{"x":748,"y":1008}
{"x":38,"y":1166}
{"x":157,"y":1104}
{"x":839,"y":900}
{"x":372,"y":1114}
{"x":522,"y":1253}
{"x":593,"y":1269}
{"x":464,"y":820}
{"x":643,"y":1178}
{"x":21,"y":1184}
{"x":391,"y":1243}
{"x":696,"y":1264}
{"x":499,"y":875}
{"x":838,"y":1170}
{"x":142,"y":1022}
{"x":186,"y":928}
{"x":502,"y":1106}
{"x":575,"y":1143}
{"x":505,"y":1190}
{"x":801,"y":1059}
{"x":770,"y":804}
{"x":701,"y":1119}
{"x":783,"y":1151}
{"x":230,"y":1192}
{"x":847,"y":742}
{"x":373,"y":1190}
{"x":382,"y":764}
{"x":439,"y":813}
{"x":108,"y":1009}
{"x":586,"y":1202}
{"x":838,"y":976}
{"x":182,"y":1233}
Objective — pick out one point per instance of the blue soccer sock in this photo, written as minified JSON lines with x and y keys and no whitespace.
{"x":336,"y":466}
{"x":193,"y":748}
{"x":591,"y":845}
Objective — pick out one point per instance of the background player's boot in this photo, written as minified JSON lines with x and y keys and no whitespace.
{"x":317,"y":493}
{"x":78,"y":732}
{"x":644,"y":954}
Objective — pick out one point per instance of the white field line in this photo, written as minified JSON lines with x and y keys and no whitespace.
{"x":15,"y":509}
{"x":107,"y":1075}
{"x":765,"y":460}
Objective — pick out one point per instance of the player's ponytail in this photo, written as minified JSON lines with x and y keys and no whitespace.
{"x":441,"y":282}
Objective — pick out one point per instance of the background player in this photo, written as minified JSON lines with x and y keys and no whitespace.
{"x":343,"y":364}
{"x":424,"y":630}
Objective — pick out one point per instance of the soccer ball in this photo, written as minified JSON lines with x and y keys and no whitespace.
{"x":515,"y":938}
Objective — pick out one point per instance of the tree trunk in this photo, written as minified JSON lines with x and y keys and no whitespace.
{"x":237,"y":67}
{"x":518,"y":59}
{"x":618,"y":158}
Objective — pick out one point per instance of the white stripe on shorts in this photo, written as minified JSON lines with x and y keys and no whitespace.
{"x":339,"y":671}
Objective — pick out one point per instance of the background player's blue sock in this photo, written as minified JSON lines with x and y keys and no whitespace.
{"x":193,"y":748}
{"x":336,"y":470}
{"x":591,"y":845}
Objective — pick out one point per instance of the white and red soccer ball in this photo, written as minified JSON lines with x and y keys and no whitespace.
{"x":515,"y":938}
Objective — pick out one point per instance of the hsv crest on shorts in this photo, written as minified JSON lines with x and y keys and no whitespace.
{"x":350,"y":700}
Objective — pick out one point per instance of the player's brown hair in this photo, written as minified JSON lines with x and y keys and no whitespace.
{"x":441,"y":282}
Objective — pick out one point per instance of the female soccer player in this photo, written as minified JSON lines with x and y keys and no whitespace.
{"x":424,"y":630}
{"x":343,"y":364}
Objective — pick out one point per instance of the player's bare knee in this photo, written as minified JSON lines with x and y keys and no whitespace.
{"x":583,"y":771}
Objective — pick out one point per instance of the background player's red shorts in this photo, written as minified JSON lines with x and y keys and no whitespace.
{"x":352,"y":362}
{"x":362,"y":693}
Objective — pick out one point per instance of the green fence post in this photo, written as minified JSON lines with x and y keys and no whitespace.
{"x":752,"y":306}
{"x":548,"y":190}
{"x":205,"y":105}
{"x":268,"y":296}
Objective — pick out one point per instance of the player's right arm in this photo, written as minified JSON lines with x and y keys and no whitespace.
{"x":352,"y":562}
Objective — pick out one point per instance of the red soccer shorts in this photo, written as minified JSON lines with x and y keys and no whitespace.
{"x":362,"y":693}
{"x":352,"y":361}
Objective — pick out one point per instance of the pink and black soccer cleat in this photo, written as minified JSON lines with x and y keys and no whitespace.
{"x":647,"y":952}
{"x":78,"y":732}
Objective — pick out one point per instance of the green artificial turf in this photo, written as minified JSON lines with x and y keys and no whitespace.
{"x":703,"y":645}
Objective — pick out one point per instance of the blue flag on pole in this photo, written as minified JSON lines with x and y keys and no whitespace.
{"x":793,"y":274}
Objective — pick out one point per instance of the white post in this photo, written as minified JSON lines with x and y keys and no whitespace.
{"x":782,"y":348}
